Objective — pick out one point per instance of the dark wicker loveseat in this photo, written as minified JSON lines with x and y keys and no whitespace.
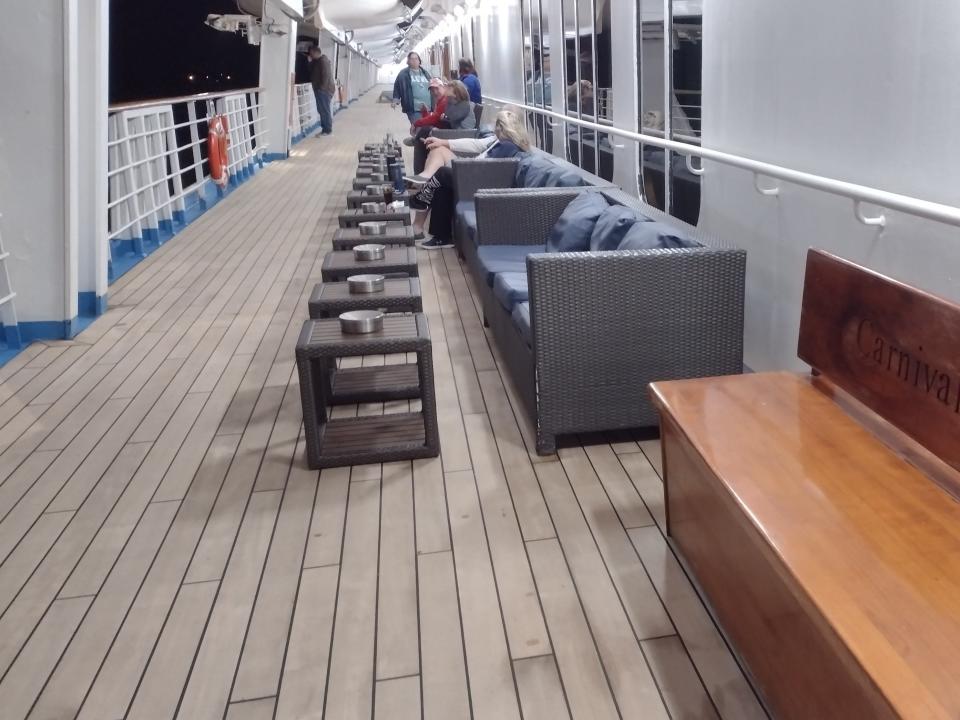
{"x":595,"y":328}
{"x":469,"y":176}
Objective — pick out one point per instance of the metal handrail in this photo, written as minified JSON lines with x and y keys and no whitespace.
{"x":928,"y":209}
{"x":140,"y":104}
{"x":143,"y":198}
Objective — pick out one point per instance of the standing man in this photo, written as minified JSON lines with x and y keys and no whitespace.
{"x":324,"y":86}
{"x":412,"y":89}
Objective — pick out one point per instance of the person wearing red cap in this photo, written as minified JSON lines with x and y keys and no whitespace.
{"x":428,"y":118}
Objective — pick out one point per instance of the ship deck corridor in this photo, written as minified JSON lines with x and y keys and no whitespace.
{"x":164,"y":552}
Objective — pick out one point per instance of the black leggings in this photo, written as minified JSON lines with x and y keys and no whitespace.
{"x":437,"y":196}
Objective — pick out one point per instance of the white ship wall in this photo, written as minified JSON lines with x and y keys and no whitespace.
{"x":33,"y":155}
{"x":861,"y":90}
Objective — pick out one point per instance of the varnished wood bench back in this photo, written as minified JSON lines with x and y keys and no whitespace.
{"x":893,"y":347}
{"x":829,"y":556}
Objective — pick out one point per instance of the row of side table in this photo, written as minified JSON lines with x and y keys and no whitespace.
{"x":333,"y":442}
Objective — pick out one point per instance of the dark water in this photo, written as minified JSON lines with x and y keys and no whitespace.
{"x":155,"y":45}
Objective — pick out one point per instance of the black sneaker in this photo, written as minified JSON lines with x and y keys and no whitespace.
{"x":437,"y":243}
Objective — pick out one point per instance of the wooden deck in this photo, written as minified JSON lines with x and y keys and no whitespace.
{"x":164,"y":552}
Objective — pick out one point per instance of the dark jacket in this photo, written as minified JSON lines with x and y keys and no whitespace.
{"x":403,"y":89}
{"x":321,"y":75}
{"x":473,"y":85}
{"x":459,"y":114}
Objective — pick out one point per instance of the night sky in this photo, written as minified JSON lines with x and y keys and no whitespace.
{"x":155,"y":45}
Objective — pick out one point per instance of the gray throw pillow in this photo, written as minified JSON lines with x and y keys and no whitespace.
{"x":655,"y":236}
{"x":612,"y":227}
{"x":534,"y":171}
{"x":575,"y":226}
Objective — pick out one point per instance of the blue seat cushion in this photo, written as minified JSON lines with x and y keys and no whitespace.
{"x":466,"y":212}
{"x":521,"y":319}
{"x":612,"y":226}
{"x":573,"y":229}
{"x":561,"y":176}
{"x":510,"y":288}
{"x":655,"y":236}
{"x":496,"y":259}
{"x":532,"y":171}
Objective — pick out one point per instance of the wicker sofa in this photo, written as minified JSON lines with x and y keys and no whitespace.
{"x":597,"y":327}
{"x":470,"y":176}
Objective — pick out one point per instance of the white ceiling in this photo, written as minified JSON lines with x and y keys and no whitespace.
{"x":359,"y":14}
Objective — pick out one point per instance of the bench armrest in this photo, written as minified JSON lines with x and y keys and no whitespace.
{"x":607,"y":324}
{"x":520,"y":217}
{"x":472,"y":175}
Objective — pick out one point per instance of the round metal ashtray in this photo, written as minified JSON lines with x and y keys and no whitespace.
{"x":373,"y":190}
{"x":369,"y":208}
{"x":369,"y":252}
{"x":372,"y":228}
{"x":358,"y":322}
{"x":364,"y":284}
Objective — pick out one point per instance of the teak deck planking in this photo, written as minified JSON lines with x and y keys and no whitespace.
{"x":164,"y":552}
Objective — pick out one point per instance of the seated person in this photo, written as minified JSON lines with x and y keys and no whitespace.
{"x":436,"y":196}
{"x":454,"y":112}
{"x":428,"y":118}
{"x":459,"y":114}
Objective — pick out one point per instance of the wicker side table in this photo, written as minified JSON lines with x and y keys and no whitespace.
{"x":368,"y":168}
{"x":328,"y":300}
{"x":352,"y":218}
{"x":397,"y":261}
{"x":364,"y":440}
{"x":356,"y":198}
{"x":397,"y":234}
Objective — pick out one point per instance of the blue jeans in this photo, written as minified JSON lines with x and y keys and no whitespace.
{"x":323,"y":108}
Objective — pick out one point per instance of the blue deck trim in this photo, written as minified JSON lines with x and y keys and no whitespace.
{"x":126,"y":254}
{"x":11,"y":337}
{"x":129,"y":252}
{"x":91,"y":305}
{"x":305,"y":133}
{"x":45,"y":330}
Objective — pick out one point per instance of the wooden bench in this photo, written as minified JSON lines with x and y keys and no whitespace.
{"x":818,"y":513}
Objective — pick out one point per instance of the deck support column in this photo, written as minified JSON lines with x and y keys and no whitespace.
{"x":92,"y":100}
{"x":277,"y":54}
{"x":52,"y":71}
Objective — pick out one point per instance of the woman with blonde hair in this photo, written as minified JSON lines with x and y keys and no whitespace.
{"x":436,"y":196}
{"x":454,"y":111}
{"x":509,"y":132}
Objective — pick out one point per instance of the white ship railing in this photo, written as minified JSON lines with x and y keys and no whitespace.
{"x":157,"y":162}
{"x":859,"y":194}
{"x":307,"y":108}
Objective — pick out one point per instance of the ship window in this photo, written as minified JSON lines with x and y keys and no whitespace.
{"x":670,"y":59}
{"x":685,"y":118}
{"x":528,"y":71}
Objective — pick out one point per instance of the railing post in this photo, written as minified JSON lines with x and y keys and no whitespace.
{"x":129,"y":184}
{"x":178,"y":212}
{"x":197,"y":156}
{"x":141,"y":150}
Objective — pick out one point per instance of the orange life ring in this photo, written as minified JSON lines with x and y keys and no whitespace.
{"x":217,"y":143}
